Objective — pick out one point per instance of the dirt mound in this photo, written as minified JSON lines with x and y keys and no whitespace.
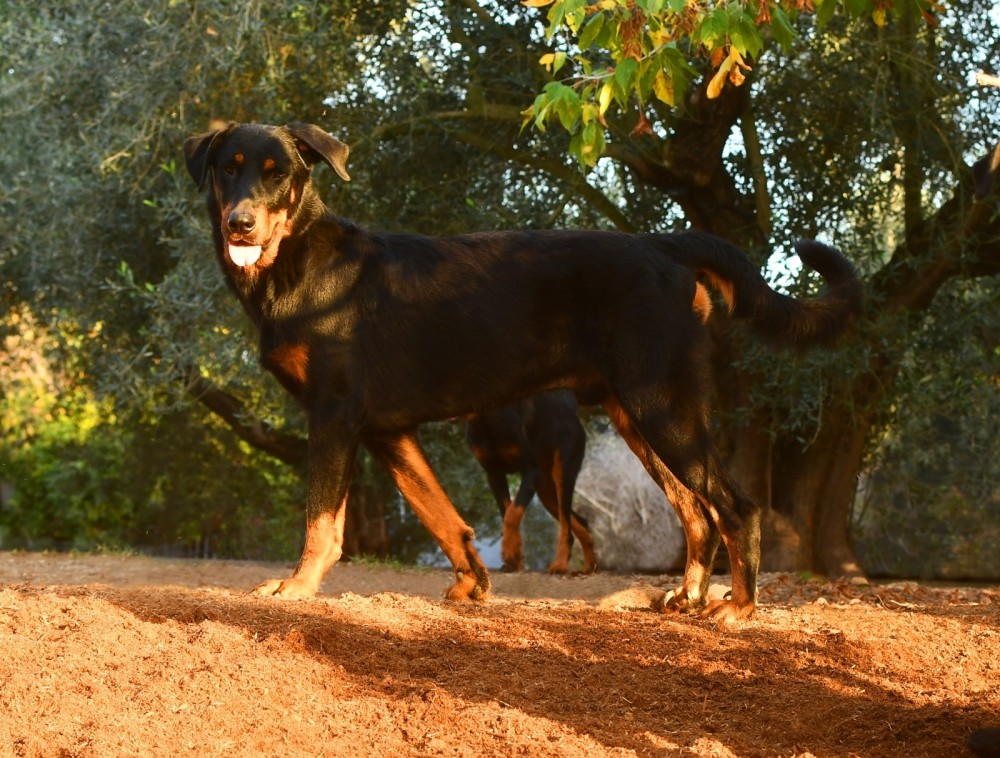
{"x":130,"y":656}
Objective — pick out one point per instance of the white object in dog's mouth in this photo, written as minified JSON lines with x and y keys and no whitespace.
{"x":243,"y":255}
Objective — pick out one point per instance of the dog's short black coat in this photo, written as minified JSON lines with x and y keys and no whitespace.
{"x":541,"y":440}
{"x":375,"y":334}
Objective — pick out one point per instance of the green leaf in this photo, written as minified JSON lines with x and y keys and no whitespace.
{"x":824,"y":11}
{"x":858,"y":8}
{"x":624,"y":78}
{"x":567,"y":108}
{"x":743,"y":33}
{"x":541,"y":109}
{"x":576,"y":12}
{"x":590,"y":31}
{"x":553,"y":61}
{"x":782,"y":29}
{"x":714,"y":29}
{"x":590,"y":145}
{"x":555,"y":18}
{"x":645,"y":78}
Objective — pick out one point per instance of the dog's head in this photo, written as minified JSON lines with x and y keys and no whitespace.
{"x":258,"y":176}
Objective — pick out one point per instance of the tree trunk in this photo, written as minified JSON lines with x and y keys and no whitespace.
{"x":365,"y":531}
{"x":814,"y":489}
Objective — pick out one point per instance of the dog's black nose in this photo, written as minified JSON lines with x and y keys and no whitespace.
{"x":241,"y":222}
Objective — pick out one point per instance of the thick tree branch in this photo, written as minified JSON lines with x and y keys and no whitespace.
{"x":962,"y":238}
{"x":687,"y":166}
{"x":569,"y":175}
{"x":285,"y":447}
{"x":510,"y":114}
{"x":755,"y":157}
{"x":501,"y":147}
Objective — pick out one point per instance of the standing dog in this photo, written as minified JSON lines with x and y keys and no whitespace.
{"x":375,"y":334}
{"x":542,"y":440}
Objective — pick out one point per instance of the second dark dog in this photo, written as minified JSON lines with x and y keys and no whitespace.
{"x":541,"y":440}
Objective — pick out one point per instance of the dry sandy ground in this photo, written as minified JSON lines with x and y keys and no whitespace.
{"x":109,"y":656}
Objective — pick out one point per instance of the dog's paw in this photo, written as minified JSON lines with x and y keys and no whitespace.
{"x":286,"y":589}
{"x":468,"y":588}
{"x":559,"y":568}
{"x":726,"y":612}
{"x":678,"y":601}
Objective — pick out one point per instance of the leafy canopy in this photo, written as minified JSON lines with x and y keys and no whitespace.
{"x":611,"y":50}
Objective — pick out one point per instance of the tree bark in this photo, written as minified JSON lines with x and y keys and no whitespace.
{"x":814,"y":488}
{"x":286,"y":448}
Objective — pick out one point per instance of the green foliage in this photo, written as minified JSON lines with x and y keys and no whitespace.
{"x":79,"y":475}
{"x":930,"y":505}
{"x":612,"y":52}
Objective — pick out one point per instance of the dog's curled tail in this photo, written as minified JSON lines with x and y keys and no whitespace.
{"x":780,"y":318}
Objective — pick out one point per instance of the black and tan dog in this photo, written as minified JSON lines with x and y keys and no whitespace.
{"x":375,"y":334}
{"x":541,"y":440}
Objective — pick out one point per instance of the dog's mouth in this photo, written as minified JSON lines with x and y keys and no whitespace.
{"x":246,"y":252}
{"x":243,"y":254}
{"x":260,"y":246}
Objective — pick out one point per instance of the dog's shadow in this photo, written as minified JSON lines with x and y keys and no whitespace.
{"x":632,"y":681}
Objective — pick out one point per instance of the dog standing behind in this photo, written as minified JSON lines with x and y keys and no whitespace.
{"x":540,"y":439}
{"x":375,"y":334}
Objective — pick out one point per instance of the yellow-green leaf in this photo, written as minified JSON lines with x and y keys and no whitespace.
{"x":663,"y":87}
{"x":604,"y":97}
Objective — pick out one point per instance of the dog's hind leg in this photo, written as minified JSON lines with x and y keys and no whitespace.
{"x":560,"y":469}
{"x":581,"y":530}
{"x":511,"y":545}
{"x":700,"y":532}
{"x":552,"y":493}
{"x":572,"y":463}
{"x":679,"y":437}
{"x":510,"y":517}
{"x":402,"y":456}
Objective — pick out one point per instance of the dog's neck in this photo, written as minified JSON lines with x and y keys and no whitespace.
{"x":264,"y":287}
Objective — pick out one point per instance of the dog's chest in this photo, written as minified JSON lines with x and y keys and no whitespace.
{"x":289,"y":362}
{"x":308,"y":364}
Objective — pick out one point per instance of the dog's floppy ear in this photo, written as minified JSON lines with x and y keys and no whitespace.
{"x":985,"y":172}
{"x":198,"y":150}
{"x":315,"y":145}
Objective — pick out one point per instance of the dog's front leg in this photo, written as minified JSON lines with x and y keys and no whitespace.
{"x":331,"y":462}
{"x":403,"y":458}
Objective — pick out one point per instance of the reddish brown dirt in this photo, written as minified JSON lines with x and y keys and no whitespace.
{"x":110,"y":656}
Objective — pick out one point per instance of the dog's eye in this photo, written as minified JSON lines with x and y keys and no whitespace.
{"x":230,"y":170}
{"x":277,"y":176}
